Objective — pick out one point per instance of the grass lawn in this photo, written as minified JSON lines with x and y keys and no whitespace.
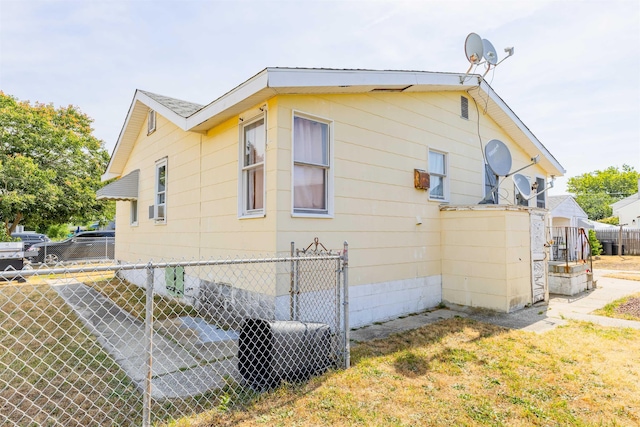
{"x":464,"y":373}
{"x":53,"y":370}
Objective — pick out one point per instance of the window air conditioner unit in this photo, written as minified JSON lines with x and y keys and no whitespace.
{"x":160,"y":213}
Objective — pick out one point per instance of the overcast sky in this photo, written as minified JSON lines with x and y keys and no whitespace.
{"x":574,"y":79}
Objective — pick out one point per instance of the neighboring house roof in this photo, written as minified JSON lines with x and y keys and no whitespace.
{"x":624,"y":202}
{"x":561,"y":206}
{"x":274,"y":81}
{"x":595,"y":225}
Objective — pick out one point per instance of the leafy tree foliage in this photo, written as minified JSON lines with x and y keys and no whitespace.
{"x":50,"y":165}
{"x":595,"y":191}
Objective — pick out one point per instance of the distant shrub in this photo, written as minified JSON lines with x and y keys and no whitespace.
{"x":57,"y":231}
{"x":613,"y":220}
{"x":596,"y":246}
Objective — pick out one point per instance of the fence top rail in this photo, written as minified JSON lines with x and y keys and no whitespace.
{"x":10,"y":274}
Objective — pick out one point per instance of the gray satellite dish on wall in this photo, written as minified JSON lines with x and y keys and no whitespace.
{"x":522,"y":185}
{"x":498,"y":157}
{"x":473,"y":48}
{"x":490,"y":54}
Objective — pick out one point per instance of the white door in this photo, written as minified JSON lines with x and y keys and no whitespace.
{"x":539,"y":275}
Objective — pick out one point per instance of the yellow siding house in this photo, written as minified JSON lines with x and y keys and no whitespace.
{"x":294,"y":154}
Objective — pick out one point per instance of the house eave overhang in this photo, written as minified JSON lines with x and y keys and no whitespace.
{"x":499,"y":111}
{"x":279,"y":81}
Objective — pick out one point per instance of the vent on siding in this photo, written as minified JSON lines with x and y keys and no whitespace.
{"x":464,"y":107}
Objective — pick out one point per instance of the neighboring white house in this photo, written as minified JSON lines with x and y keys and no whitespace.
{"x":565,"y":212}
{"x":628,"y":210}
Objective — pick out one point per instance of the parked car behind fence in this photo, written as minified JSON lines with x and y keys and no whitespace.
{"x":30,"y":239}
{"x":82,"y":246}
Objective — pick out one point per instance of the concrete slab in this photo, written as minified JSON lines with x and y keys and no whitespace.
{"x":176,"y":372}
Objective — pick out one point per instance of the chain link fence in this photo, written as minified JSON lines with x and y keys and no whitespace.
{"x":136,"y":344}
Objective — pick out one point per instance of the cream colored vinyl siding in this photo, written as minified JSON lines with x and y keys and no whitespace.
{"x":485,"y":258}
{"x":378,"y":140}
{"x":179,"y":236}
{"x":223,"y":233}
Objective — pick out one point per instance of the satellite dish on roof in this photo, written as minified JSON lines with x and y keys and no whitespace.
{"x":476,"y":49}
{"x":473,"y":48}
{"x":490,"y":54}
{"x":498,"y":157}
{"x":522,"y":185}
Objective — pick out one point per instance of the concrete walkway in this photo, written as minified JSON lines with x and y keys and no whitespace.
{"x":540,"y":317}
{"x":179,"y":368}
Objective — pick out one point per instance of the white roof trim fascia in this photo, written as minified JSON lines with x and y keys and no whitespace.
{"x":176,"y":119}
{"x":523,"y":128}
{"x":252,"y":86}
{"x":291,"y":78}
{"x":272,"y":81}
{"x":110,"y":175}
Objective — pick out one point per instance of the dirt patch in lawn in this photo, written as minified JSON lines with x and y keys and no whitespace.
{"x":616,"y":262}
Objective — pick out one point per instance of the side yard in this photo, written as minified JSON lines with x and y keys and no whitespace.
{"x":463,"y":372}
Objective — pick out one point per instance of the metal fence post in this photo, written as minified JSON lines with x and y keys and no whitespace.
{"x":148,"y":334}
{"x":345,"y":284}
{"x":291,"y":285}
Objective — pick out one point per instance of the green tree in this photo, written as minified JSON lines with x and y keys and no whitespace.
{"x":595,"y":191}
{"x":50,"y":165}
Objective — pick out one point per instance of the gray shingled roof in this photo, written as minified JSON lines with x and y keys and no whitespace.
{"x":178,"y":106}
{"x":554,"y":201}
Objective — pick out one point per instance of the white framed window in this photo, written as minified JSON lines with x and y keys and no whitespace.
{"x":252,"y":167}
{"x":541,"y":195}
{"x":490,"y":182}
{"x":134,"y":213}
{"x":519,"y":198}
{"x":160,"y":203}
{"x":151,"y":122}
{"x":312,"y":180}
{"x":439,"y":179}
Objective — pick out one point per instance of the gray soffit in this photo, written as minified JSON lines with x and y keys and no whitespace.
{"x":126,"y":188}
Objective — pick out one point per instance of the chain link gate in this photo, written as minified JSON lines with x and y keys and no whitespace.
{"x":135,"y":344}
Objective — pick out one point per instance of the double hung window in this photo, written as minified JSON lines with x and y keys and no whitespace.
{"x":438,"y":175}
{"x":134,"y":213}
{"x":160,"y":204}
{"x":541,"y":200}
{"x":311,"y":166}
{"x":253,"y":172}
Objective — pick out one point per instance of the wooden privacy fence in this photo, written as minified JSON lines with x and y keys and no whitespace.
{"x":611,"y":241}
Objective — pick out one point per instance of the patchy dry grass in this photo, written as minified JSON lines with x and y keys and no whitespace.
{"x":617,"y":310}
{"x":463,"y":372}
{"x":132,"y":298}
{"x":617,"y":262}
{"x":52,"y":370}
